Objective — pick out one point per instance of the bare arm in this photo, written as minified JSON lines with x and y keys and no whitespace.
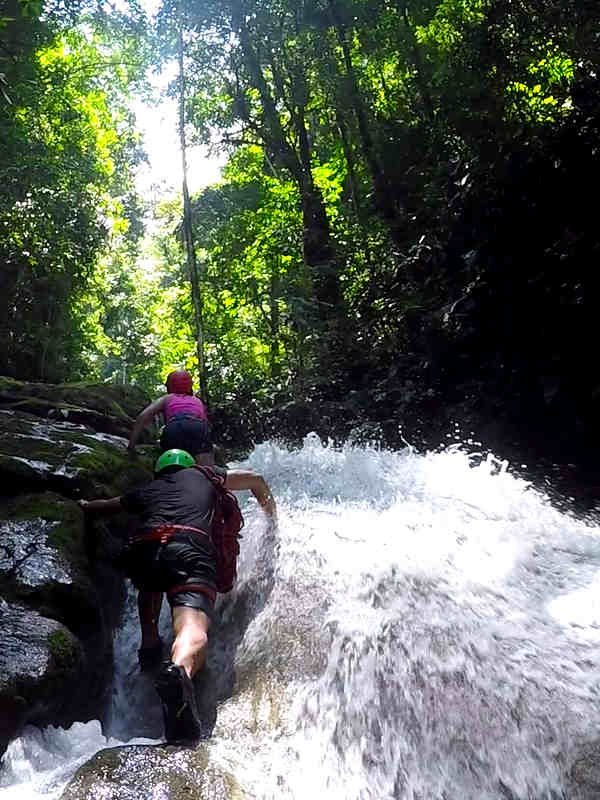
{"x":144,"y":418}
{"x":238,"y":479}
{"x":112,"y":506}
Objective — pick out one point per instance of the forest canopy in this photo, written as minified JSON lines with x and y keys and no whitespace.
{"x":404,"y":197}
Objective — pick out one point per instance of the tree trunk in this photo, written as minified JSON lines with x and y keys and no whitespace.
{"x":316,"y":238}
{"x":426,"y":99}
{"x":274,"y":301}
{"x":384,"y":199}
{"x":188,"y":231}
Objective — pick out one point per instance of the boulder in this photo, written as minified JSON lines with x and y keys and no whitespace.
{"x":69,"y":458}
{"x":41,"y":662}
{"x":584,"y":778}
{"x":45,"y":569}
{"x":43,"y":560}
{"x":107,"y":408}
{"x":146,"y":772}
{"x":58,"y":581}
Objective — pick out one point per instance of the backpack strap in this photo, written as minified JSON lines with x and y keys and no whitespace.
{"x":225,"y":531}
{"x":209,"y":473}
{"x":226,"y":499}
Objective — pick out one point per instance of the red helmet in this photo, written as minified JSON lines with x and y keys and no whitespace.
{"x":179,"y":382}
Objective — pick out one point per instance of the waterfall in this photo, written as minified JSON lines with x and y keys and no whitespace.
{"x":418,"y":626}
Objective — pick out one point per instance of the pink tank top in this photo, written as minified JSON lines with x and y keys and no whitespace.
{"x":184,"y":404}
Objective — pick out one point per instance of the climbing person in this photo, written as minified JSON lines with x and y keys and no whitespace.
{"x":187,"y":428}
{"x":186,"y":546}
{"x":186,"y":419}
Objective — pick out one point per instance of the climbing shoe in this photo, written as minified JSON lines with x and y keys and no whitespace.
{"x":180,"y":710}
{"x":150,"y":657}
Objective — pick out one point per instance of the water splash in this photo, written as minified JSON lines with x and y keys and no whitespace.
{"x":459,"y":663}
{"x":420,"y":627}
{"x":40,"y":762}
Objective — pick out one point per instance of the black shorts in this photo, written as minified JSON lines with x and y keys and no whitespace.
{"x":186,"y":564}
{"x":193,"y":598}
{"x":187,"y":433}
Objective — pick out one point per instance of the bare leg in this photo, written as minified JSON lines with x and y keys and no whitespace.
{"x":149,"y":604}
{"x":190,"y":626}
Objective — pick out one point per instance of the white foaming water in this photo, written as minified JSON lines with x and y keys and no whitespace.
{"x":41,"y":762}
{"x":423,"y":629}
{"x":461,"y":659}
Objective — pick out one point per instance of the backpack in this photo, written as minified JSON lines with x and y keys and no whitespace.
{"x":225,"y":534}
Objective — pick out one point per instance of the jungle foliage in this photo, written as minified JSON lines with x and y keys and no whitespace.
{"x":68,"y":150}
{"x":406,"y":201}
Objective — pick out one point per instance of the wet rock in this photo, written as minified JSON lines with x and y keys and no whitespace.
{"x":41,"y":663}
{"x":59,"y":455}
{"x":44,"y":565}
{"x":43,"y":560}
{"x":55,"y":565}
{"x":585,"y":774}
{"x":106,"y":408}
{"x":145,"y":773}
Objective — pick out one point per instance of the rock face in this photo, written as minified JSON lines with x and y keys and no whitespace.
{"x":60,"y":592}
{"x":105,"y":408}
{"x":585,"y":773}
{"x":40,"y":657}
{"x":144,"y":773}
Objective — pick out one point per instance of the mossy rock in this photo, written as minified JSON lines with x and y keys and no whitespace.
{"x":118,"y":400}
{"x":67,"y":535}
{"x":46,"y":572}
{"x":70,"y":458}
{"x":106,"y":408}
{"x":43,"y":561}
{"x":111,"y":471}
{"x":64,"y":649}
{"x":138,"y":772}
{"x":41,"y":667}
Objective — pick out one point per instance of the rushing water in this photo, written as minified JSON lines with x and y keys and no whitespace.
{"x":417,"y":627}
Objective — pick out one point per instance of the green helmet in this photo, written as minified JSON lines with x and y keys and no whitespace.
{"x":173,"y":458}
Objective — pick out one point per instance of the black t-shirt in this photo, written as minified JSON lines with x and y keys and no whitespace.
{"x":184,"y":497}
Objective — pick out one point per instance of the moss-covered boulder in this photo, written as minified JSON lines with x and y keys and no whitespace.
{"x":72,"y":459}
{"x":144,"y":773}
{"x":55,"y":567}
{"x":41,"y":667}
{"x":46,"y":569}
{"x":43,"y":560}
{"x":107,"y":408}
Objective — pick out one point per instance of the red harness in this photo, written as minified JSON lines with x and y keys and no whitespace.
{"x":162,"y":533}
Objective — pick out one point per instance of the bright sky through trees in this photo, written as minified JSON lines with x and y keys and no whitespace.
{"x":157,"y":122}
{"x":161,"y":175}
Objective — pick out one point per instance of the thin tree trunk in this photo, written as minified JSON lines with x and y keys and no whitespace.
{"x":418,"y":65}
{"x":316,"y":235}
{"x":349,"y":156}
{"x":274,"y":300}
{"x":188,"y":231}
{"x":383,"y":196}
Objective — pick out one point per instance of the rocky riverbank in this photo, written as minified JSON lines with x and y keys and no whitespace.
{"x":60,"y":594}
